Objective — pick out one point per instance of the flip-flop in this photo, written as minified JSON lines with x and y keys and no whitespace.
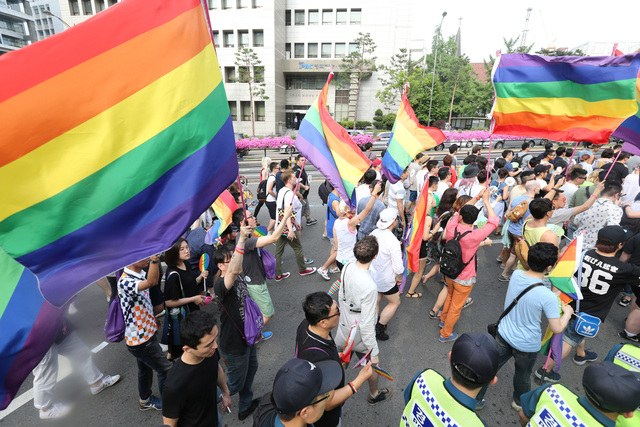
{"x":467,"y":303}
{"x":413,"y":295}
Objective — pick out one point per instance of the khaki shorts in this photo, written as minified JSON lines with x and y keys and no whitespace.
{"x":260,"y":294}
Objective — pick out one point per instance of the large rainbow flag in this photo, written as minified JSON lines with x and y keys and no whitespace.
{"x":328,"y":146}
{"x":629,"y":130}
{"x":407,"y":139}
{"x":564,"y":98}
{"x":414,"y":236}
{"x":116,"y":135}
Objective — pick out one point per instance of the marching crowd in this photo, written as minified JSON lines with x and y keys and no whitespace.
{"x":538,"y":204}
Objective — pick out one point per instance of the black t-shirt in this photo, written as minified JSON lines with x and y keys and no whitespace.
{"x":304,"y":180}
{"x":278,"y":184}
{"x":231,"y":302}
{"x":188,"y":279}
{"x":602,"y":279}
{"x":314,"y":348}
{"x":618,"y":172}
{"x":252,"y":263}
{"x":190,"y":393}
{"x":632,"y":247}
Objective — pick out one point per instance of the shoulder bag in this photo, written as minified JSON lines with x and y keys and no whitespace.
{"x":493,"y":327}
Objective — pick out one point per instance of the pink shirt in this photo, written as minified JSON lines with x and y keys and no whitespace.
{"x":470,"y":242}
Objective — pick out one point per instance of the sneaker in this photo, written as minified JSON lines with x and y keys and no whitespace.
{"x":254,"y":404}
{"x":308,"y":271}
{"x":151,"y":403}
{"x":381,"y":334}
{"x":624,"y":301}
{"x":428,"y":262}
{"x":324,"y":236}
{"x":57,"y":410}
{"x":383,"y":394}
{"x":626,"y":336}
{"x":499,"y":259}
{"x":266,"y":335}
{"x":311,"y":221}
{"x":283,"y":276}
{"x":441,"y":324}
{"x":323,"y":273}
{"x":164,"y":347}
{"x":451,"y":338}
{"x":589,"y":356}
{"x":515,"y":406}
{"x":502,"y":278}
{"x":550,"y":377}
{"x":334,"y":270}
{"x":107,"y":381}
{"x":308,"y":261}
{"x":480,"y":405}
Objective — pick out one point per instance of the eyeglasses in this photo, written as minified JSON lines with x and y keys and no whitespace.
{"x":333,"y":315}
{"x":326,"y":396}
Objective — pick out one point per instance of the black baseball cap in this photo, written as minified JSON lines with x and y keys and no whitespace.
{"x":479,"y":354}
{"x":611,"y":387}
{"x":299,"y":382}
{"x":614,"y":234}
{"x":541,"y":168}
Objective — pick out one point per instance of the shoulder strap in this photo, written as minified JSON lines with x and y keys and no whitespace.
{"x":580,"y":278}
{"x":342,"y":281}
{"x":516,"y":299}
{"x":179,"y":281}
{"x":587,"y":191}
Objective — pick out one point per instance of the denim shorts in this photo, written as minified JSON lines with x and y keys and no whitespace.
{"x":570,"y":336}
{"x":413,"y":196}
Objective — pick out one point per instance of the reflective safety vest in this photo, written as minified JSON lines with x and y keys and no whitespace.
{"x":560,"y":407}
{"x":629,"y":358}
{"x":432,"y":405}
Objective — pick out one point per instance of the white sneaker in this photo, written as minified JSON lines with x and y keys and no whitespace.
{"x":324,"y":274}
{"x":164,"y":347}
{"x":57,"y":410}
{"x":334,"y":270}
{"x":107,"y":381}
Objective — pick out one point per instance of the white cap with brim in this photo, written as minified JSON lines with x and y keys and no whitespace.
{"x":387,"y":216}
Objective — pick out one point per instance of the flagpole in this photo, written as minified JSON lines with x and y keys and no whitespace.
{"x":244,"y":206}
{"x":299,"y":179}
{"x":611,"y":166}
{"x":486,"y":184}
{"x":573,"y":153}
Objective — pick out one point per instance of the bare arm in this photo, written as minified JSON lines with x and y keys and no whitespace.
{"x":222,"y":383}
{"x":270,"y":186}
{"x":267,"y":240}
{"x":590,"y":201}
{"x":339,"y":396}
{"x":362,"y":215}
{"x":171,"y":422}
{"x":152,"y":277}
{"x":235,"y":265}
{"x":631,"y":213}
{"x":559,"y":324}
{"x":551,"y":194}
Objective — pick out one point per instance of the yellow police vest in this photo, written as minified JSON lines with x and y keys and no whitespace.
{"x":629,"y":358}
{"x":432,"y":405}
{"x":558,"y":406}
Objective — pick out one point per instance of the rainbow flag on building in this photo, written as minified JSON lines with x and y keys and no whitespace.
{"x":328,"y":146}
{"x":407,"y":139}
{"x":223,"y":207}
{"x":414,"y":236}
{"x":564,"y":98}
{"x":116,"y":135}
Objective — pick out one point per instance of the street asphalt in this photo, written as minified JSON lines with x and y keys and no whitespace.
{"x":413,"y":345}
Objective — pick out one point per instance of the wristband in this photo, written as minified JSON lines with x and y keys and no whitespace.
{"x":477,"y":198}
{"x":595,"y":195}
{"x":154,"y":262}
{"x":353,"y":388}
{"x":240,"y":250}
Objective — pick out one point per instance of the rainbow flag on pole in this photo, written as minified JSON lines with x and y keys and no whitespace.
{"x":407,"y":139}
{"x":562,"y":276}
{"x":564,"y":98}
{"x":223,"y":207}
{"x":414,"y":240}
{"x":116,"y":135}
{"x":328,"y":146}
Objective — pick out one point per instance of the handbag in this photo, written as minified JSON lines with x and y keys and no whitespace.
{"x":114,"y":324}
{"x":585,"y":324}
{"x":268,"y":263}
{"x":493,"y":327}
{"x":171,"y":330}
{"x":522,"y":249}
{"x":253,"y":320}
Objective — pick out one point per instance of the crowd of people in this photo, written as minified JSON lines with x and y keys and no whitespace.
{"x":538,"y":204}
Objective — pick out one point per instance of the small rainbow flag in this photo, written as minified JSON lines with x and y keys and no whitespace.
{"x":414,"y":240}
{"x":562,"y":276}
{"x":204,"y":262}
{"x":335,"y":288}
{"x":564,"y":98}
{"x":224,"y":206}
{"x":116,"y":135}
{"x":260,"y":231}
{"x":328,"y":146}
{"x":382,"y":372}
{"x":407,"y":139}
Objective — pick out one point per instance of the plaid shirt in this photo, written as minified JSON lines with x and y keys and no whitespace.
{"x":369,"y":223}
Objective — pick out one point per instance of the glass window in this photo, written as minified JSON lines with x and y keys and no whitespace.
{"x":287,"y":17}
{"x":257,"y":3}
{"x":233,"y":109}
{"x":243,"y":74}
{"x":299,"y":50}
{"x":327,"y":16}
{"x":216,"y":38}
{"x":227,"y":37}
{"x":258,"y":38}
{"x":341,"y":16}
{"x":340,"y":48}
{"x":287,"y":50}
{"x":356,"y":16}
{"x":112,"y":2}
{"x":260,"y":110}
{"x":243,"y":38}
{"x":258,"y":74}
{"x":245,"y":106}
{"x":342,"y":104}
{"x":326,"y":50}
{"x":213,"y":4}
{"x":299,"y":17}
{"x":86,"y":7}
{"x":313,"y":50}
{"x":74,"y":7}
{"x":226,"y":4}
{"x":242,"y":4}
{"x":314,"y":17}
{"x":230,"y":74}
{"x":100,"y":6}
{"x":353,"y":47}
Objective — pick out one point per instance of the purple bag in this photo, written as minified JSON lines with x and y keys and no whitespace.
{"x":114,"y":325}
{"x":253,"y":321}
{"x":268,"y":264}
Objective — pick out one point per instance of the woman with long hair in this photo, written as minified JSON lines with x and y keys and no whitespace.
{"x":264,"y":174}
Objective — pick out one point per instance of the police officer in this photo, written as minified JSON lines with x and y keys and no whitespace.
{"x":610,"y":390}
{"x":432,"y":400}
{"x":627,"y":356}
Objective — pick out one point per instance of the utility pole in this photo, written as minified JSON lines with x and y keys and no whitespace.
{"x":523,"y":39}
{"x":435,"y":58}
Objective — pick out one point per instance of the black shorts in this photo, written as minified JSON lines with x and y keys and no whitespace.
{"x":340,"y":265}
{"x":272,"y":210}
{"x":423,"y":249}
{"x":391,"y":291}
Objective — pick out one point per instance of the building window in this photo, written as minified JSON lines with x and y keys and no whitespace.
{"x":243,"y":74}
{"x":226,"y":4}
{"x":243,"y":38}
{"x":227,"y":38}
{"x":287,"y":17}
{"x":299,"y":50}
{"x":100,"y":6}
{"x":341,"y":16}
{"x":258,"y":38}
{"x":353,"y":47}
{"x":257,"y":3}
{"x":258,"y":74}
{"x":341,"y":110}
{"x":314,"y":17}
{"x":299,"y":17}
{"x":260,"y":110}
{"x":340,"y":49}
{"x":326,"y":50}
{"x":233,"y":109}
{"x":356,"y":16}
{"x":74,"y":7}
{"x":216,"y":38}
{"x":245,"y":107}
{"x":287,"y":50}
{"x":305,"y":81}
{"x":86,"y":7}
{"x":313,"y":50}
{"x":327,"y":16}
{"x":230,"y":74}
{"x":242,"y":4}
{"x":213,"y":4}
{"x":112,"y":2}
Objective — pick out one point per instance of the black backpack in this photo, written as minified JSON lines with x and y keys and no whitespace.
{"x":262,"y":190}
{"x":266,"y":412}
{"x":323,"y":191}
{"x":451,"y":264}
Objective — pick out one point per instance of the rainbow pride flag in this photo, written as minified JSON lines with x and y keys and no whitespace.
{"x":116,"y":135}
{"x":414,"y":236}
{"x":562,"y":276}
{"x":328,"y":146}
{"x":629,"y":130}
{"x":564,"y":98}
{"x":223,"y":207}
{"x":407,"y":139}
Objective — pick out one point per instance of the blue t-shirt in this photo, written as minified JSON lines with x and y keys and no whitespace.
{"x":509,"y":166}
{"x":515,"y":228}
{"x":331,"y":214}
{"x":521,"y":328}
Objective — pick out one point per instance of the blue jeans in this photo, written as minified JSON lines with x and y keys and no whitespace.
{"x":150,"y":358}
{"x":241,"y":369}
{"x":524,"y":363}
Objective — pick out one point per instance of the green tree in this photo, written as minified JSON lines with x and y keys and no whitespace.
{"x":359,"y":64}
{"x":251,"y":71}
{"x":396,"y":74}
{"x":560,"y":52}
{"x":510,"y":47}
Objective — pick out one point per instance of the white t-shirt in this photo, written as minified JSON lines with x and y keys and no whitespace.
{"x":442,"y":187}
{"x":414,"y":168}
{"x":285,"y":195}
{"x":569,"y":188}
{"x":346,"y":240}
{"x":542,"y":183}
{"x":630,"y":188}
{"x":396,"y":192}
{"x":362,"y":191}
{"x":271,"y":181}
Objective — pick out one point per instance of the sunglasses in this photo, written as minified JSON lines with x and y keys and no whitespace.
{"x":325,"y":397}
{"x":333,"y":315}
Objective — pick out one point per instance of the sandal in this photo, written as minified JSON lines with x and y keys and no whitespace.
{"x":413,"y":295}
{"x":467,"y":303}
{"x":434,"y":315}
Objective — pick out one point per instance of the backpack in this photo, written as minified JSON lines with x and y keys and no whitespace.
{"x":262,"y":190}
{"x":323,"y":192}
{"x":114,"y":324}
{"x":518,"y":212}
{"x":522,"y":249}
{"x":451,"y":264}
{"x":266,"y":412}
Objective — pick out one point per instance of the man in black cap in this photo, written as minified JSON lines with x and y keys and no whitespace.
{"x":432,"y":400}
{"x":603,"y":277}
{"x":611,"y":391}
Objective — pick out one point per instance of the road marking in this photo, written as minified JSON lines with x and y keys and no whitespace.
{"x":64,"y":369}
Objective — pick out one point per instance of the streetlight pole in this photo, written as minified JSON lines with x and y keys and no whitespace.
{"x":46,"y":12}
{"x":435,"y":58}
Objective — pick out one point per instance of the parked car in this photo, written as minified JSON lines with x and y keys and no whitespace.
{"x":382,"y":142}
{"x":288,"y":149}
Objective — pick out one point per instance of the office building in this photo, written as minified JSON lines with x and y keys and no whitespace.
{"x":17,"y":25}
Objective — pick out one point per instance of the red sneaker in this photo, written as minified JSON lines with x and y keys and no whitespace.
{"x":308,"y":271}
{"x":283,"y":276}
